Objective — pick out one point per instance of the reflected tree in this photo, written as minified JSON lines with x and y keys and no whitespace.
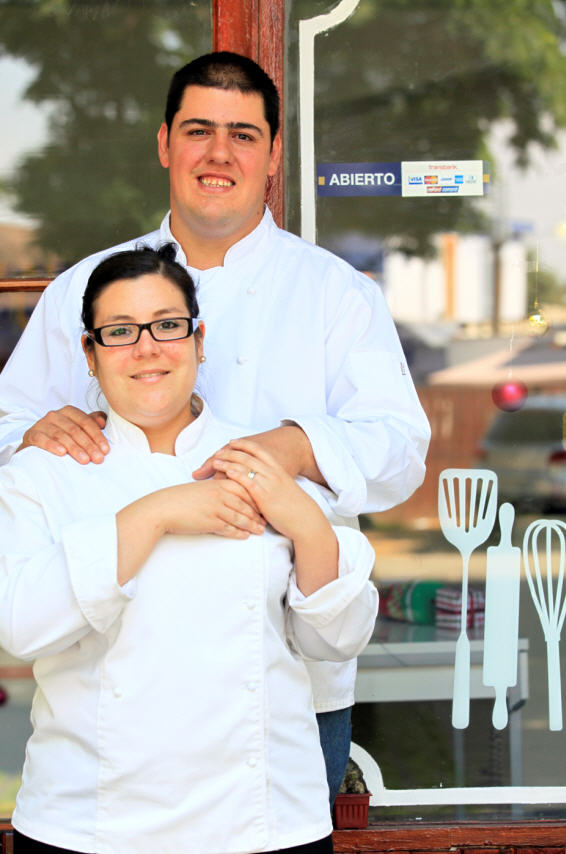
{"x":101,"y":72}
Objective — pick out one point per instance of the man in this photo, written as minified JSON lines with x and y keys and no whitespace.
{"x":295,"y":336}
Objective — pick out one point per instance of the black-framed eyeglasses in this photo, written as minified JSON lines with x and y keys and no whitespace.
{"x":121,"y":334}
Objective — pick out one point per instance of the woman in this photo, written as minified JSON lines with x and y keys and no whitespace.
{"x":167,"y":618}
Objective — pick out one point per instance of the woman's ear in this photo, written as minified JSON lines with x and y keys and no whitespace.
{"x":88,"y":349}
{"x":199,"y":338}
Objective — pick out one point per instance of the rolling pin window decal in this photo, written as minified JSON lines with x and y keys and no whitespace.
{"x":467,"y":504}
{"x":501,"y":632}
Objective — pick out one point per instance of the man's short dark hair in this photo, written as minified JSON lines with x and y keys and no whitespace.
{"x":225,"y":70}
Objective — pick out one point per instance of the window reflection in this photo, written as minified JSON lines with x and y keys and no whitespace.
{"x":84,"y":89}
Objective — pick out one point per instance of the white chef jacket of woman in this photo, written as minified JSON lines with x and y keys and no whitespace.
{"x":174,"y":713}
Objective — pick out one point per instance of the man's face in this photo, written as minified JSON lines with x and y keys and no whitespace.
{"x":219,"y":155}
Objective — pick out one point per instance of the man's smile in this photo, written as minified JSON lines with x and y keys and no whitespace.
{"x":213,"y":181}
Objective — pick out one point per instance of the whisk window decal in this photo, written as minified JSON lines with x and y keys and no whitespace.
{"x":540,"y":560}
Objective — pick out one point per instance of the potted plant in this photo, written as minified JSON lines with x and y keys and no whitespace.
{"x":351,"y":806}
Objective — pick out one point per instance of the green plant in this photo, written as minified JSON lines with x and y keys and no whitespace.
{"x":353,"y":782}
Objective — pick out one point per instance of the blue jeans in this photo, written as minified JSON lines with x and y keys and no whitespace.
{"x":335,"y":730}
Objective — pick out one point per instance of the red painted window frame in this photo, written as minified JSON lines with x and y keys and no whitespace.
{"x":256,"y":28}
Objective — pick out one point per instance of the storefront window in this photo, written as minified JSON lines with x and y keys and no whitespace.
{"x":431,"y":138}
{"x":82,"y":94}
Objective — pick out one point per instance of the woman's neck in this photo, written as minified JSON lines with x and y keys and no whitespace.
{"x":162,"y":439}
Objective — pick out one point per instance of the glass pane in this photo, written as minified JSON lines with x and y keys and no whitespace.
{"x":16,"y":691}
{"x":82,"y":95}
{"x":15,"y":311}
{"x":476,"y":286}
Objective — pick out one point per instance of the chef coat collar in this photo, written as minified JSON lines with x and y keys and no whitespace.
{"x":239,"y":251}
{"x":120,"y":431}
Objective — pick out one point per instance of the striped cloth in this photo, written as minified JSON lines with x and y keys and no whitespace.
{"x":448,"y":608}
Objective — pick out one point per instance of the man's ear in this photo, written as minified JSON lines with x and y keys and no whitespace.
{"x":275,"y":155}
{"x":163,"y":145}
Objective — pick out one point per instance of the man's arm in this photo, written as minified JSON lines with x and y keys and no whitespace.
{"x":39,"y":376}
{"x":47,"y":371}
{"x":370,"y":445}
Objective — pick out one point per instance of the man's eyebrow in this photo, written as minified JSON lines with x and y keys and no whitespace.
{"x":230,"y":125}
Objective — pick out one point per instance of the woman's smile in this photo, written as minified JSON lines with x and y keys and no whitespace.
{"x":150,"y":376}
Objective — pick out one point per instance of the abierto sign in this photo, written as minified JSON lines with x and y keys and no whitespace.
{"x":359,"y":179}
{"x":408,"y":178}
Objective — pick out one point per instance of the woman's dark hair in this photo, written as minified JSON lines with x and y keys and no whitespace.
{"x":134,"y":263}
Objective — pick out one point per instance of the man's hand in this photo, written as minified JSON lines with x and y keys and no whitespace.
{"x":289,"y":446}
{"x":70,"y":431}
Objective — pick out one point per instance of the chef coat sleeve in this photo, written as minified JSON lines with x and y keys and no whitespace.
{"x":38,"y":376}
{"x":371,"y":444}
{"x":336,"y":621}
{"x":54,"y":589}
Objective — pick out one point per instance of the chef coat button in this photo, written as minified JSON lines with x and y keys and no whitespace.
{"x":251,"y":292}
{"x":251,"y":686}
{"x":117,"y":693}
{"x":250,"y":605}
{"x":241,"y":360}
{"x":252,"y":761}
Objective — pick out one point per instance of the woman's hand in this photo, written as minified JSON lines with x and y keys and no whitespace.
{"x":279,"y":499}
{"x":218,"y":506}
{"x":286,"y":507}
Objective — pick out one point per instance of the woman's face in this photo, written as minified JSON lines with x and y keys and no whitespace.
{"x":149,"y":383}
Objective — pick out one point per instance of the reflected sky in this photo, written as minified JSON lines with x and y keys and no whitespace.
{"x":25,"y":124}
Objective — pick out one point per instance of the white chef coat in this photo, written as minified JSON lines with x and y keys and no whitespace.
{"x":173,"y":715}
{"x":292,"y":332}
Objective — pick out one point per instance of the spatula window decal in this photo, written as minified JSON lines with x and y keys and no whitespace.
{"x":467,"y":504}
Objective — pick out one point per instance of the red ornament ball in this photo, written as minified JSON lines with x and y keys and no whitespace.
{"x":509,"y":396}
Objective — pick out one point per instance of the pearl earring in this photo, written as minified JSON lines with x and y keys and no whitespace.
{"x":91,"y":373}
{"x":202,"y":359}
